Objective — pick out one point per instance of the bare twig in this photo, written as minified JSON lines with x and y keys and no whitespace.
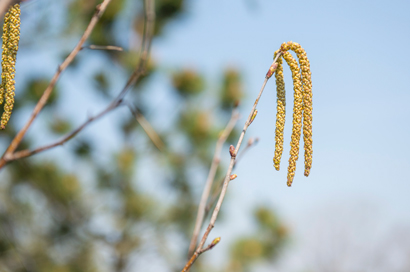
{"x":43,"y":100}
{"x":146,"y":126}
{"x":103,"y":47}
{"x":211,"y":176}
{"x":10,"y":155}
{"x":233,"y":151}
{"x":27,"y":153}
{"x":214,"y":197}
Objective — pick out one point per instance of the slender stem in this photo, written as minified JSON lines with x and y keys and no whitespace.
{"x":27,"y":153}
{"x":215,"y":213}
{"x":209,"y":181}
{"x":43,"y":100}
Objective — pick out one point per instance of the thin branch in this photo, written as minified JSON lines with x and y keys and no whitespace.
{"x":103,"y":47}
{"x":43,"y":100}
{"x":214,"y":197}
{"x":233,"y":151}
{"x":27,"y":153}
{"x":211,"y":176}
{"x":146,"y":126}
{"x":10,"y":155}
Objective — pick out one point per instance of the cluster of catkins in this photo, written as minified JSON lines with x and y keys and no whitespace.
{"x":11,"y":37}
{"x":302,"y":109}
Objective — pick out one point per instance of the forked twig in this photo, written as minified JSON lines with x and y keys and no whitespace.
{"x":27,"y":153}
{"x":233,"y":151}
{"x":10,"y":153}
{"x":211,"y":176}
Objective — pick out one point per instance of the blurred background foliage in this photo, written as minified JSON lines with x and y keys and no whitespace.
{"x":95,"y":214}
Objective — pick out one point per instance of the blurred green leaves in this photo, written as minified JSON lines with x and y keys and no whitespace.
{"x":34,"y":90}
{"x":188,"y":82}
{"x":231,"y":90}
{"x":265,"y":244}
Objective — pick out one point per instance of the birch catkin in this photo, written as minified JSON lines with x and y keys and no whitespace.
{"x":302,"y":110}
{"x":297,"y":115}
{"x":281,"y":113}
{"x":11,"y":37}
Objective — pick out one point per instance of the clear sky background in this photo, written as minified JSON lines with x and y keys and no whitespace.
{"x":357,"y":195}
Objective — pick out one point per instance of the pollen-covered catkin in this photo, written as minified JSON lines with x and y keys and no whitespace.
{"x":307,"y":104}
{"x":11,"y":37}
{"x":297,"y":115}
{"x":281,"y":112}
{"x":4,"y":56}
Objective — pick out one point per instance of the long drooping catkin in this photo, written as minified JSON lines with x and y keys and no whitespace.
{"x":307,"y":104}
{"x":297,"y":115}
{"x":307,"y":100}
{"x":11,"y":37}
{"x":280,"y":114}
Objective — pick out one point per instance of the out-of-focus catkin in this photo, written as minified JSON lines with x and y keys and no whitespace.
{"x":297,"y":115}
{"x":11,"y":37}
{"x":280,"y":114}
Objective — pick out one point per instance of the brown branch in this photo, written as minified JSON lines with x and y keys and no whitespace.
{"x":27,"y":153}
{"x":209,"y":181}
{"x":10,"y":155}
{"x":197,"y":253}
{"x":233,"y":151}
{"x":43,"y":100}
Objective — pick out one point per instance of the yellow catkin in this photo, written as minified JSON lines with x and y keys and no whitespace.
{"x":307,"y":100}
{"x":297,"y":115}
{"x":11,"y":37}
{"x":4,"y":59}
{"x":307,"y":104}
{"x":280,"y":114}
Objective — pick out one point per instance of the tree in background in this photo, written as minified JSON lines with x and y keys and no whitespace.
{"x":88,"y":207}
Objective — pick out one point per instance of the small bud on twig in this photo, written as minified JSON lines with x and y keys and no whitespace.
{"x":215,"y":242}
{"x":232,"y":151}
{"x":253,"y":116}
{"x":271,"y":70}
{"x":234,"y":176}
